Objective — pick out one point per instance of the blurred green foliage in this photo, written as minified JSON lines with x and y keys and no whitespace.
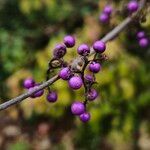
{"x":29,"y":29}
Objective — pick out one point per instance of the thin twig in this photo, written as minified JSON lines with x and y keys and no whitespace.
{"x":29,"y":93}
{"x":112,"y":34}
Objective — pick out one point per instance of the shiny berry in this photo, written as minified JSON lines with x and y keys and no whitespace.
{"x":99,"y":46}
{"x":94,"y":67}
{"x":77,"y":108}
{"x":59,"y":51}
{"x":75,"y":82}
{"x":107,"y":10}
{"x":28,"y":83}
{"x":132,"y":6}
{"x":143,"y":42}
{"x":83,"y":49}
{"x":69,"y":41}
{"x":52,"y":97}
{"x":92,"y":95}
{"x":85,"y":117}
{"x":104,"y":18}
{"x":65,"y":73}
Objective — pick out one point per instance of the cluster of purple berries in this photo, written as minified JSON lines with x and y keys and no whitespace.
{"x":61,"y":49}
{"x":142,"y":39}
{"x":104,"y":17}
{"x":30,"y":84}
{"x":75,"y":79}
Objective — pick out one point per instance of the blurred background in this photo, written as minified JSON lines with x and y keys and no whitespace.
{"x":120,"y":117}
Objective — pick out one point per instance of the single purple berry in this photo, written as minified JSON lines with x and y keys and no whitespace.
{"x":28,"y":83}
{"x":140,"y":34}
{"x":99,"y":46}
{"x":104,"y":18}
{"x":107,"y":10}
{"x":143,"y":42}
{"x":52,"y":97}
{"x":92,"y":95}
{"x":83,"y":49}
{"x":77,"y":108}
{"x":94,"y":67}
{"x":65,"y":73}
{"x":75,"y":82}
{"x":38,"y":93}
{"x":85,"y":117}
{"x":132,"y":6}
{"x":69,"y":41}
{"x":59,"y":51}
{"x":89,"y":78}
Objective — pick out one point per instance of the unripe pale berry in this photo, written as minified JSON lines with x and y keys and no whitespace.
{"x":59,"y":51}
{"x":75,"y":82}
{"x":107,"y":9}
{"x":28,"y":83}
{"x":69,"y":41}
{"x":83,"y":49}
{"x":52,"y":97}
{"x":132,"y":6}
{"x":77,"y":108}
{"x":143,"y":42}
{"x":65,"y":73}
{"x":94,"y":67}
{"x":104,"y":18}
{"x":85,"y":117}
{"x":99,"y":46}
{"x":92,"y":95}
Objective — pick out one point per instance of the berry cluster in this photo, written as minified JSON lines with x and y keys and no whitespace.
{"x":30,"y":84}
{"x":104,"y":17}
{"x":77,"y":79}
{"x":142,"y":39}
{"x":84,"y":77}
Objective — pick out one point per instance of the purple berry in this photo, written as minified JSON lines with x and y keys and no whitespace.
{"x":65,"y":73}
{"x":140,"y":34}
{"x":69,"y":41}
{"x":38,"y":93}
{"x":75,"y":82}
{"x":107,"y":10}
{"x":59,"y":51}
{"x":52,"y":97}
{"x":77,"y":108}
{"x":104,"y":18}
{"x":85,"y":117}
{"x":132,"y":6}
{"x":28,"y":83}
{"x":99,"y":46}
{"x":92,"y":95}
{"x":83,"y":49}
{"x":89,"y":78}
{"x":143,"y":42}
{"x":94,"y":67}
